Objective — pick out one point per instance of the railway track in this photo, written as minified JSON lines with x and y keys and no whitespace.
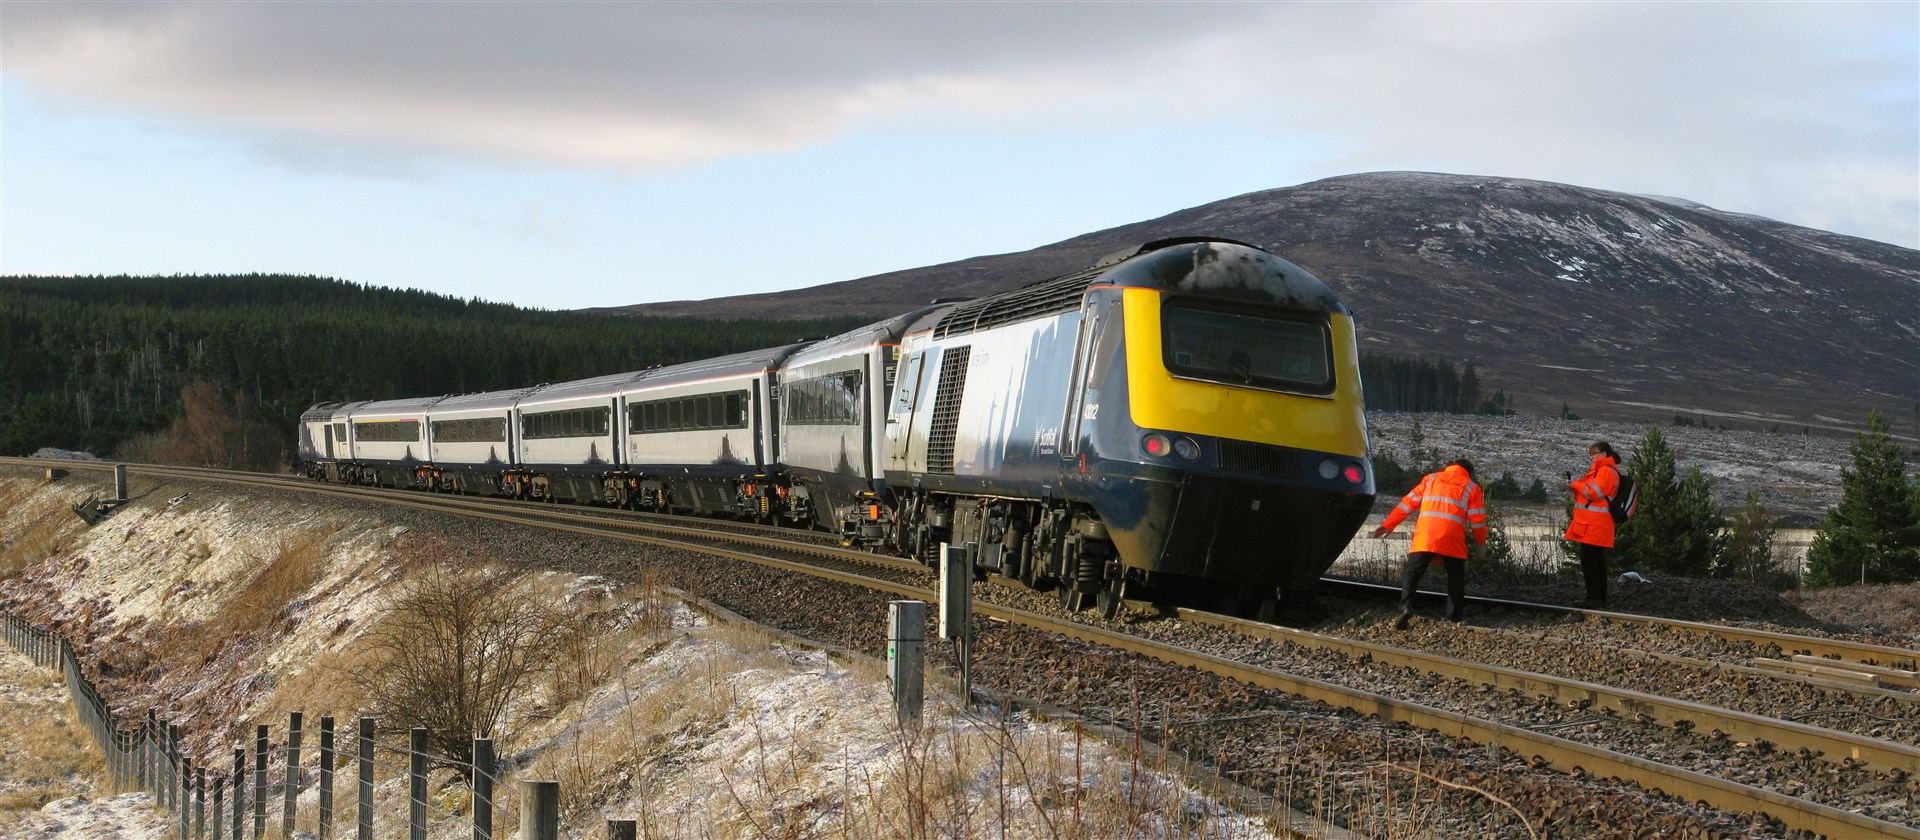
{"x":1541,"y":749}
{"x":1837,"y":651}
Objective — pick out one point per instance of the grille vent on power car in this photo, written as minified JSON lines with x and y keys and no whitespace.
{"x":1048,"y":297}
{"x":945,"y":424}
{"x":1277,"y":461}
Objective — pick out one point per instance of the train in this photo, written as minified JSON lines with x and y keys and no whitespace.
{"x":1181,"y":421}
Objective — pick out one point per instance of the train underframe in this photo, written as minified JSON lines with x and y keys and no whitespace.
{"x":1046,"y":545}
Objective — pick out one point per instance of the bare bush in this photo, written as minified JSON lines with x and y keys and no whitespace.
{"x":212,"y":430}
{"x":458,"y":645}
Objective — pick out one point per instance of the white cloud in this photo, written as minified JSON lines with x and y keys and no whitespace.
{"x":1763,"y":105}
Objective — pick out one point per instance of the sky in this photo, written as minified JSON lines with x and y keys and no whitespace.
{"x":567,"y":155}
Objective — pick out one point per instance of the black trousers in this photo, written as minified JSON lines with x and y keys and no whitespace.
{"x":1417,"y":563}
{"x":1593,"y":567}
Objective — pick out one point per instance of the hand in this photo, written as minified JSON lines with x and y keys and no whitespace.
{"x":1380,"y":532}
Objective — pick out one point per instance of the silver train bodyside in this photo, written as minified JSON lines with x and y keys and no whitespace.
{"x":1179,"y":420}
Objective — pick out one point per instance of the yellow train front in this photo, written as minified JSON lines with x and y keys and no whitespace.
{"x":1182,"y":423}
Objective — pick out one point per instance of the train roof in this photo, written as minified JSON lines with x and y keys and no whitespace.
{"x":326,"y":411}
{"x":608,"y":385}
{"x":483,"y":400}
{"x":884,"y":332}
{"x":410,"y":405}
{"x":1223,"y":268}
{"x":749,"y":363}
{"x":1204,"y":266}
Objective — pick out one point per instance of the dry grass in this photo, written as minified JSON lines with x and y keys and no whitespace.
{"x":251,"y":615}
{"x":45,"y":754}
{"x":37,"y":528}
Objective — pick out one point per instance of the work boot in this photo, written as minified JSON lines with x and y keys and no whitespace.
{"x":1404,"y":621}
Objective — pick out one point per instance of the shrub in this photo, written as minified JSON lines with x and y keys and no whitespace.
{"x":455,"y":648}
{"x":1677,"y":530}
{"x":1873,"y":535}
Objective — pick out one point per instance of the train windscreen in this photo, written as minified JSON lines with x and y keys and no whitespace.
{"x":1280,"y":352}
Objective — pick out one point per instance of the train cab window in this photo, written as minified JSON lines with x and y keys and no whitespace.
{"x":1278,"y":352}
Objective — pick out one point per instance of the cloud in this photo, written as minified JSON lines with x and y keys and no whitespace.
{"x":1760,"y":106}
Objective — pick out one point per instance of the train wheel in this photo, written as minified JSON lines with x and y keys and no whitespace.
{"x":1111,"y":598}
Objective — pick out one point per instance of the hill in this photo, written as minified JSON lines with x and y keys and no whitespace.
{"x":1622,"y":306}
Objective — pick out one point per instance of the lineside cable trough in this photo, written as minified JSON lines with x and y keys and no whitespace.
{"x":94,"y":509}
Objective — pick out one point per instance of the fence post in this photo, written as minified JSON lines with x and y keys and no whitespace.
{"x":145,"y":761}
{"x":239,"y":793}
{"x":219,"y":794}
{"x":622,"y":830}
{"x":173,"y":766}
{"x":417,"y":784}
{"x":200,"y":803}
{"x":483,"y":789}
{"x":365,"y":813}
{"x":539,"y":810}
{"x":906,"y":637}
{"x":185,"y":792}
{"x":293,"y":773}
{"x":260,"y":780}
{"x":326,"y":777}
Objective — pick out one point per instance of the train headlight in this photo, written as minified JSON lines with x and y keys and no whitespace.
{"x":1186,"y":448}
{"x":1329,"y":468}
{"x":1156,"y":444}
{"x":1353,"y":474}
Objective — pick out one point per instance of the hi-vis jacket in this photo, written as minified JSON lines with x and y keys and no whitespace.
{"x":1592,"y":522}
{"x":1449,"y":504}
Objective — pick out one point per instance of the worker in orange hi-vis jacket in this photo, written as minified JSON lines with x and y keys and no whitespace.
{"x":1448,"y":505}
{"x":1592,"y":524}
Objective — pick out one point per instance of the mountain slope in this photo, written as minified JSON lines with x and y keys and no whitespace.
{"x":1621,"y":305}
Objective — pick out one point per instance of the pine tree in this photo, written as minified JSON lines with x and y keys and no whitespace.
{"x":1676,"y":530}
{"x":1873,"y":535}
{"x":1498,"y":549}
{"x":1748,"y":554}
{"x":1535,"y":492}
{"x":1503,"y":489}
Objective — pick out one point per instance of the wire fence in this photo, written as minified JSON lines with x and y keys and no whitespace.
{"x":143,"y":753}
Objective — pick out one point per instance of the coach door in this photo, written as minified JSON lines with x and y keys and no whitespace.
{"x":1077,"y":407}
{"x":900,"y":414}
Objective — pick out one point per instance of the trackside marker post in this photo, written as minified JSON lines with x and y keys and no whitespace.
{"x":956,"y":611}
{"x":906,"y":639}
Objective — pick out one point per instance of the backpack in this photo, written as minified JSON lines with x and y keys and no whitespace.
{"x":1626,"y":497}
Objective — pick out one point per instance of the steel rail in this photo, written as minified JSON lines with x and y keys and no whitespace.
{"x":1549,"y":750}
{"x":1846,"y":651}
{"x":1559,"y":753}
{"x":1667,"y":710}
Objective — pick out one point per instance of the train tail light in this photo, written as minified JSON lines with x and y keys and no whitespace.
{"x":1156,"y":445}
